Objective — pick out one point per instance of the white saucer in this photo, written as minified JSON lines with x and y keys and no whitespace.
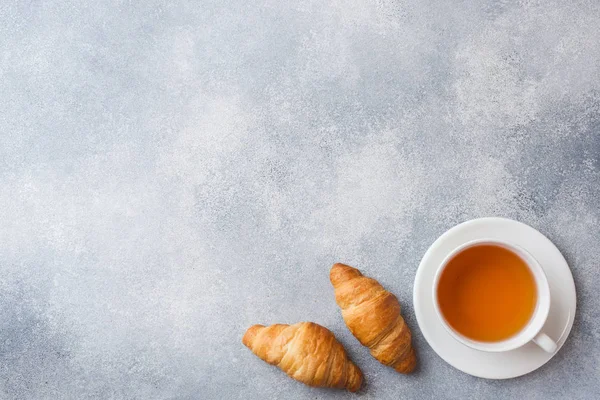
{"x":496,"y":365}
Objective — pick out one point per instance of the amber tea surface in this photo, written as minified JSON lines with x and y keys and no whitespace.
{"x":487,"y":293}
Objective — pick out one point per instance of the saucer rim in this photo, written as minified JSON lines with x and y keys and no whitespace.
{"x":426,"y":327}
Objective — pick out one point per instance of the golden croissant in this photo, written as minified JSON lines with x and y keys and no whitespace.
{"x":306,"y":352}
{"x":373,"y":316}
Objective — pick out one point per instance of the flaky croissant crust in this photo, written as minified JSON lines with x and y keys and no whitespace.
{"x":373,"y":316}
{"x":307,"y":352}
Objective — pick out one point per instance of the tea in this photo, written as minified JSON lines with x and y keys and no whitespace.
{"x":487,"y":293}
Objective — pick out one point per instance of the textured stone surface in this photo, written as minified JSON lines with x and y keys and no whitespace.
{"x":173,"y":172}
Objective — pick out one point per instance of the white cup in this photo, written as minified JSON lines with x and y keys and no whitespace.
{"x":533,"y":330}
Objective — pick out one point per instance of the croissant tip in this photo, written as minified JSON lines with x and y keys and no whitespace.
{"x":340,"y":265}
{"x":250,"y":334}
{"x":409,"y":364}
{"x":356,"y":380}
{"x":341,"y":272}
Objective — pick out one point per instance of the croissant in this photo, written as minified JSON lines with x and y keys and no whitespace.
{"x":306,"y":352}
{"x":373,"y":316}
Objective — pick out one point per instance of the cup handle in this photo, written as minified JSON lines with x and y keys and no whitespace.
{"x":545,"y":342}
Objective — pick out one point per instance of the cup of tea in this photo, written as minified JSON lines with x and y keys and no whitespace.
{"x":493,"y":296}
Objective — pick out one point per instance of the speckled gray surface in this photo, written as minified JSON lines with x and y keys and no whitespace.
{"x":173,"y":172}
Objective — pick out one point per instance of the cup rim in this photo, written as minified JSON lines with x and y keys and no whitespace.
{"x":537,"y":319}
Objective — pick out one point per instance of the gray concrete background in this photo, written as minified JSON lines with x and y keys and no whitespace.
{"x":173,"y":172}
